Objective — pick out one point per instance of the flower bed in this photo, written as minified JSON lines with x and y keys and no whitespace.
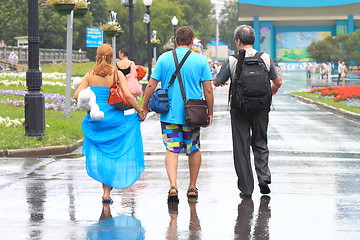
{"x":349,"y":94}
{"x":13,"y":92}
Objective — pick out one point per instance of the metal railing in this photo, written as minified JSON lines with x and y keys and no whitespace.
{"x":45,"y":55}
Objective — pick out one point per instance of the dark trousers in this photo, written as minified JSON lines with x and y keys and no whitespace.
{"x":250,"y":129}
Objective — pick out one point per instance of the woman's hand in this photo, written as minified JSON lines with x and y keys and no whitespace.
{"x":142,"y":115}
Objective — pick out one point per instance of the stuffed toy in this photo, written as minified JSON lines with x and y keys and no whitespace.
{"x":87,"y":101}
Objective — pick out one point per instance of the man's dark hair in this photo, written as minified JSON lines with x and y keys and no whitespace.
{"x":246,"y":34}
{"x":184,"y":35}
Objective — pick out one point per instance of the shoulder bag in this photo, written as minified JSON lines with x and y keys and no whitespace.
{"x":116,"y":97}
{"x":196,"y":110}
{"x":159,"y":101}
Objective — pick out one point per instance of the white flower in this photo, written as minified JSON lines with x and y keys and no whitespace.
{"x":15,"y":122}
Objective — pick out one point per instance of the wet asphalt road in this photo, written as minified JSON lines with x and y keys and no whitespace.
{"x":315,"y":163}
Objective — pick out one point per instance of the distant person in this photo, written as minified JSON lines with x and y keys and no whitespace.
{"x":11,"y":60}
{"x":177,"y":136}
{"x":124,"y":64}
{"x":128,"y":68}
{"x":249,"y":127}
{"x":278,"y":70}
{"x":329,"y":69}
{"x":308,"y":71}
{"x":339,"y":72}
{"x":112,"y":146}
{"x":343,"y":73}
{"x":2,"y":43}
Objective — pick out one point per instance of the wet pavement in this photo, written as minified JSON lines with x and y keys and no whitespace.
{"x":315,"y":164}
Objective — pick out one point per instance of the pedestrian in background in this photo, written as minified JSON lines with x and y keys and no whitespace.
{"x":113,"y":145}
{"x":339,"y":72}
{"x":308,"y":71}
{"x":249,"y":128}
{"x":343,"y":73}
{"x":177,"y":136}
{"x":128,"y":68}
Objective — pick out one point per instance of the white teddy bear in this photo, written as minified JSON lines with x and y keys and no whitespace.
{"x":87,"y":101}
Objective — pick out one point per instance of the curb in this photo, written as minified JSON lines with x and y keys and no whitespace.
{"x":42,"y":151}
{"x":348,"y":114}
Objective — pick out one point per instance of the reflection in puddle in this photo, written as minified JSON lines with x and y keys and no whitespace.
{"x":245,"y":220}
{"x":194,"y":232}
{"x":122,"y":227}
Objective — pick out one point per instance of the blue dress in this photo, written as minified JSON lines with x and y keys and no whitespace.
{"x":113,"y":146}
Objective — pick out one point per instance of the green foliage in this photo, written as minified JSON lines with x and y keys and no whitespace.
{"x":78,"y":69}
{"x":13,"y":15}
{"x":59,"y":130}
{"x":229,"y":18}
{"x":197,"y":14}
{"x":342,"y":47}
{"x":52,"y":26}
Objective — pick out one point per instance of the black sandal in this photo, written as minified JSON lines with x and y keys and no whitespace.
{"x":173,"y":197}
{"x":192,"y":191}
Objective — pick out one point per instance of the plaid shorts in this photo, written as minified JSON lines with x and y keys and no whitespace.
{"x":179,"y":138}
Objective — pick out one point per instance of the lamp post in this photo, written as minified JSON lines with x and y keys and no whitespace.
{"x":147,"y":4}
{"x":34,"y":99}
{"x":130,"y":4}
{"x":174,"y":22}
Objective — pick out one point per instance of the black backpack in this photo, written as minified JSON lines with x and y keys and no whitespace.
{"x":251,"y":89}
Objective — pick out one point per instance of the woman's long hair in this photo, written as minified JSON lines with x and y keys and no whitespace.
{"x":104,"y":56}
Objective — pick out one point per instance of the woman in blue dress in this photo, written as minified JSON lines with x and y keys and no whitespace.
{"x":113,"y":145}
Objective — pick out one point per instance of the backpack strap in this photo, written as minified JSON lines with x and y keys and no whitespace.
{"x":178,"y":66}
{"x":240,"y":57}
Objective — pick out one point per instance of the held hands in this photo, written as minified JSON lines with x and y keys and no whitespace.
{"x":142,"y":115}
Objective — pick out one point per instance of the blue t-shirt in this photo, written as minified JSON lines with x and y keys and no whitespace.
{"x":195,"y":70}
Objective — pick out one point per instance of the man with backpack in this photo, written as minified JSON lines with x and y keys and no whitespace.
{"x":250,"y":99}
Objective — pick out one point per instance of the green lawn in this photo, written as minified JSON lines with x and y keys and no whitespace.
{"x":59,"y":129}
{"x":328,"y":101}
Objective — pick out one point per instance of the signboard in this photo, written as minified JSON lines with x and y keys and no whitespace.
{"x":94,"y":37}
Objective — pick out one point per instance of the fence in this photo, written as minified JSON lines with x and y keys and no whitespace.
{"x":46,"y":55}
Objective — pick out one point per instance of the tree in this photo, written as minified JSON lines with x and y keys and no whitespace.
{"x":343,"y":47}
{"x":198,"y":15}
{"x":229,"y":18}
{"x":13,"y":15}
{"x":320,"y":51}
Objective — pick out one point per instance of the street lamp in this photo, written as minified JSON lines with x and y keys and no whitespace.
{"x":174,"y":22}
{"x":147,"y":4}
{"x":34,"y":99}
{"x":130,"y":4}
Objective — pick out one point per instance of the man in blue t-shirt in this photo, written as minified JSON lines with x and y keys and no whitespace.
{"x":177,"y":136}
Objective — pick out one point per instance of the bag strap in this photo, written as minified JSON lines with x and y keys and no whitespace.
{"x":115,"y":78}
{"x":177,"y":72}
{"x":178,"y":67}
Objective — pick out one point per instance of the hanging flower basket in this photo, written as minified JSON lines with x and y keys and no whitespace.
{"x":80,"y":12}
{"x":65,"y":8}
{"x":110,"y":33}
{"x":111,"y":29}
{"x":154,"y":42}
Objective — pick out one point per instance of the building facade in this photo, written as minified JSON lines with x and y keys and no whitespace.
{"x":285,"y":28}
